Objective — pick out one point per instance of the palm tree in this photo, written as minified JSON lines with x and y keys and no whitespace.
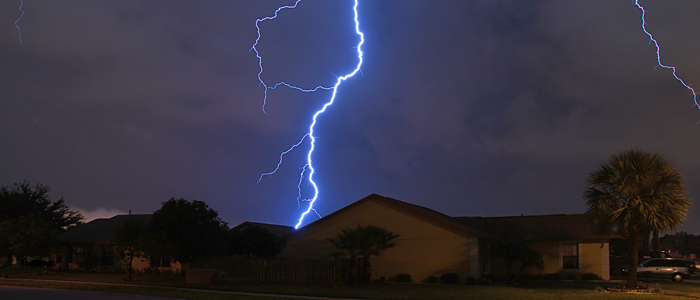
{"x":365,"y":242}
{"x":634,"y":191}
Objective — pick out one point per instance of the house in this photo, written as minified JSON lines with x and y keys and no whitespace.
{"x":432,"y":243}
{"x":89,"y":246}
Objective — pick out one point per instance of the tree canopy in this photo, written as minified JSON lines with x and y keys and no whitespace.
{"x":636,"y":191}
{"x":254,"y":241}
{"x":365,"y":242}
{"x":30,"y":221}
{"x":513,"y":248}
{"x":22,"y":199}
{"x":191,"y":228}
{"x":130,"y":241}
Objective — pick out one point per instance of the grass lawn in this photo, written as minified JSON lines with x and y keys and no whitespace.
{"x":523,"y":290}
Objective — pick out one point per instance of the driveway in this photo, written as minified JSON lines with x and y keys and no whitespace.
{"x":31,"y":293}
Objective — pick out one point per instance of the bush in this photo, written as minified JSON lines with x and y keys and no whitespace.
{"x":219,"y":277}
{"x":449,"y":278}
{"x":590,"y":276}
{"x":552,"y":276}
{"x":471,"y":280}
{"x":432,"y":279}
{"x":495,"y":278}
{"x":404,"y":278}
{"x":571,"y":277}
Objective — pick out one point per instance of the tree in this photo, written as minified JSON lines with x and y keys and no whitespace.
{"x":365,"y":242}
{"x":22,"y":199}
{"x":191,"y":228}
{"x":28,"y":235}
{"x":513,"y":248}
{"x":23,"y":203}
{"x":636,"y":191}
{"x":129,"y":239}
{"x":254,"y":241}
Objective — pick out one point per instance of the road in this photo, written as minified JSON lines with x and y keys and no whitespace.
{"x":32,"y":293}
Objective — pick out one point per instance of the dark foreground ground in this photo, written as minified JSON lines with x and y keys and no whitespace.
{"x":175,"y":287}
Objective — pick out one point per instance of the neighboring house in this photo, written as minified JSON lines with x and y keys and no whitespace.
{"x":432,"y":243}
{"x":280,"y":231}
{"x":89,"y":246}
{"x":569,"y":243}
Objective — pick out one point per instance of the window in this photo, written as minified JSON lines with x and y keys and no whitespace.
{"x":570,"y":256}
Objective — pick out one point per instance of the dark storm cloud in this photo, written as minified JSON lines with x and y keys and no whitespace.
{"x":468,"y":107}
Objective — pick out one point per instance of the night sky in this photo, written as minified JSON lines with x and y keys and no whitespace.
{"x":471,"y":108}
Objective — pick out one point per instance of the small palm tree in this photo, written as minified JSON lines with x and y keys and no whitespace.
{"x":365,"y":242}
{"x":634,"y":191}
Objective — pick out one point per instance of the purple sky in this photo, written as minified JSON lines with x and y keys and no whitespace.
{"x":478,"y":108}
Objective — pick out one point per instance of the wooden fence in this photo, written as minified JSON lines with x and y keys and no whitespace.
{"x":277,"y":270}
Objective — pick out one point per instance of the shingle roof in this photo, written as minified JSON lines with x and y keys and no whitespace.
{"x":539,"y":228}
{"x":277,"y":230}
{"x":98,"y":230}
{"x":532,"y":228}
{"x":420,"y":212}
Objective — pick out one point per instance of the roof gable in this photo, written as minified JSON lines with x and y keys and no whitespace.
{"x":279,"y":231}
{"x":422,"y":213}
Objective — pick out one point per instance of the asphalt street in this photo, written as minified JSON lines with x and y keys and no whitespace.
{"x":32,"y":293}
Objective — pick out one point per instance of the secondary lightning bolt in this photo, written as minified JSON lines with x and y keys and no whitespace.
{"x":257,"y":54}
{"x":308,"y":167}
{"x":20,"y":18}
{"x":658,"y":54}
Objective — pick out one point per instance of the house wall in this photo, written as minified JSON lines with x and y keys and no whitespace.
{"x":593,"y":258}
{"x":423,"y":250}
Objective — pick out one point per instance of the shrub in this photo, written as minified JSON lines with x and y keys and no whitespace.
{"x":495,"y":278}
{"x":471,"y":280}
{"x":590,"y":276}
{"x":382,"y":279}
{"x":404,"y":278}
{"x":571,"y":277}
{"x":531,"y":277}
{"x":449,"y":278}
{"x":219,"y":277}
{"x":553,"y":276}
{"x":432,"y":279}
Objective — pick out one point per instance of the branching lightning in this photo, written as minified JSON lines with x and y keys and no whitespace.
{"x":308,"y":167}
{"x":658,"y":54}
{"x":18,"y":19}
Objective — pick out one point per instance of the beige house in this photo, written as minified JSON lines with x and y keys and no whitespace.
{"x":432,"y":243}
{"x":89,"y":246}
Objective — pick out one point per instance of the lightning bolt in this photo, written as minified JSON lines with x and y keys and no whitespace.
{"x":308,"y":169}
{"x":658,"y":54}
{"x":20,"y":18}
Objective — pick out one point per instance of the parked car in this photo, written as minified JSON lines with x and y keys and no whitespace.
{"x":660,"y":254}
{"x":672,"y":268}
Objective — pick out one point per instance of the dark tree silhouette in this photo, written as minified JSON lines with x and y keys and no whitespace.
{"x":513,"y":248}
{"x":634,"y":192}
{"x":129,"y":239}
{"x":22,"y":203}
{"x":22,"y":199}
{"x":192,"y":229}
{"x":28,"y":235}
{"x":254,"y":241}
{"x":365,"y":242}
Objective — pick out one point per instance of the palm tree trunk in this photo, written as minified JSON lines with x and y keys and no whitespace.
{"x":633,"y":253}
{"x":366,"y":270}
